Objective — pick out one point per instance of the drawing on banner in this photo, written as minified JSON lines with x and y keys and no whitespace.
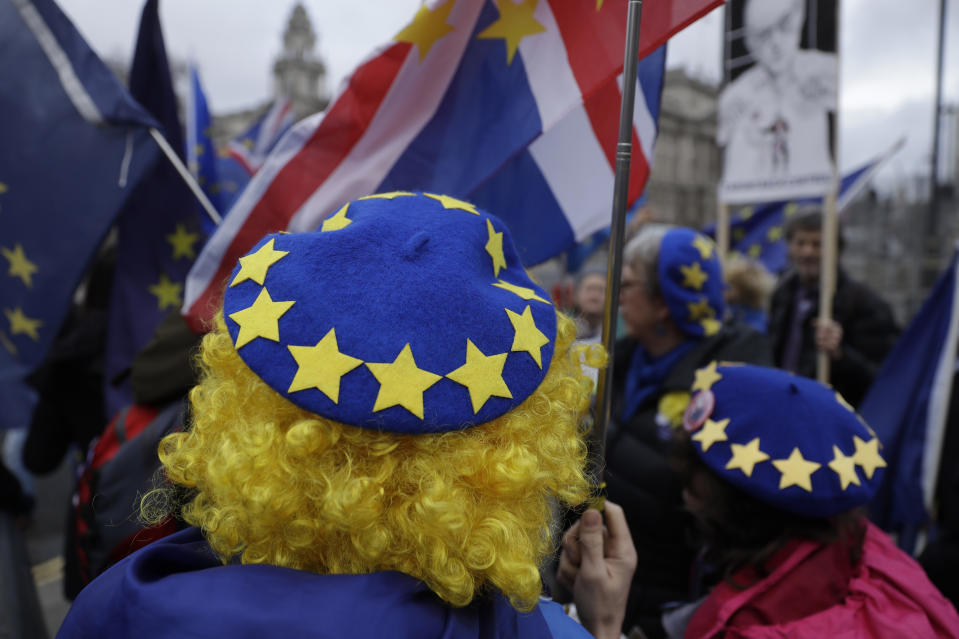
{"x":777,"y":110}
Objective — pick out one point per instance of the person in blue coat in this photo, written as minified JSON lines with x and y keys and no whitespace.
{"x":388,"y":410}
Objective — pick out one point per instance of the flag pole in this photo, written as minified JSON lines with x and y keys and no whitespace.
{"x":624,"y":151}
{"x":185,"y":174}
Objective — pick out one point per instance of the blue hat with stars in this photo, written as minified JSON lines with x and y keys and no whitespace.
{"x":786,"y":440}
{"x":404,"y":312}
{"x":691,"y":282}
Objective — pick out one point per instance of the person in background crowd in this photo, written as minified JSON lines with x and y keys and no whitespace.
{"x":747,"y":296}
{"x":379,"y":459}
{"x":861,"y":332}
{"x":776,"y":469}
{"x":590,"y":298}
{"x":672,"y":307}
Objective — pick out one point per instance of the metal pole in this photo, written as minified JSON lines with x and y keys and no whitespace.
{"x":624,"y":151}
{"x":930,"y":269}
{"x":185,"y":174}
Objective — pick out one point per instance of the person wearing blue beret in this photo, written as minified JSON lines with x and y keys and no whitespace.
{"x":672,"y":305}
{"x":388,"y":410}
{"x":777,"y":469}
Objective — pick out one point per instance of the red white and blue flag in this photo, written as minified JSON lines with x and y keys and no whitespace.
{"x":250,"y":149}
{"x":511,"y":105}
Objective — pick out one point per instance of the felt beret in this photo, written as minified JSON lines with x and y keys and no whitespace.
{"x":788,"y":441}
{"x":691,"y":282}
{"x":404,"y":312}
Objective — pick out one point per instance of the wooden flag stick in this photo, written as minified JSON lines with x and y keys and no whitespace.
{"x":722,"y":231}
{"x":185,"y":174}
{"x":624,"y":151}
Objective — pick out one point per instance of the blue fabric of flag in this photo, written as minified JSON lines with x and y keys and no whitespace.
{"x":159,"y":231}
{"x":200,"y":151}
{"x":897,"y":408}
{"x":64,"y":175}
{"x":180,"y":581}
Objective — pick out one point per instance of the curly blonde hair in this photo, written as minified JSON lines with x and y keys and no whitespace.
{"x":462,"y":511}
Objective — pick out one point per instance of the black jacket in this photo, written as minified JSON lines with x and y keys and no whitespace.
{"x":639,"y":477}
{"x":869,"y":333}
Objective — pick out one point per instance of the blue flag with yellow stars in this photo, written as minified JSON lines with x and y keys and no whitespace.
{"x":159,"y":232}
{"x":756,"y":232}
{"x":75,"y":144}
{"x":201,"y":154}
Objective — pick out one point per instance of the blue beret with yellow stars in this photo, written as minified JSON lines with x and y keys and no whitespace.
{"x":404,"y":312}
{"x":691,"y":282}
{"x":786,"y":440}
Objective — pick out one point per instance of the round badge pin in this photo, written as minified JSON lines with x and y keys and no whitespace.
{"x":699,"y":409}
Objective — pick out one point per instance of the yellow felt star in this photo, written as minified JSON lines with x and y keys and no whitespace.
{"x":261,"y":319}
{"x":494,"y":246}
{"x":20,"y":324}
{"x":427,"y":27}
{"x":711,"y":432}
{"x":7,"y":344}
{"x":746,"y":457}
{"x":402,"y":383}
{"x":167,"y":292}
{"x":710,"y":326}
{"x":700,"y":309}
{"x":845,"y":467}
{"x":255,"y":265}
{"x":704,"y":246}
{"x":522,"y":291}
{"x":755,"y":251}
{"x":796,"y":471}
{"x":452,"y":203}
{"x":693,"y":276}
{"x":321,"y":366}
{"x":867,"y":455}
{"x":337,"y":221}
{"x":482,"y":375}
{"x":774,"y":234}
{"x":706,"y":377}
{"x":182,"y":242}
{"x":527,"y":338}
{"x":387,"y":196}
{"x":20,"y":266}
{"x":516,"y":21}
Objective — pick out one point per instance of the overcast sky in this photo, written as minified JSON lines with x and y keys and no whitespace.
{"x":887,"y":50}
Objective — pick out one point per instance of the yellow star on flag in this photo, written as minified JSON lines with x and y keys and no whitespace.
{"x":261,"y":319}
{"x":452,"y":203}
{"x":321,"y":366}
{"x":528,"y":338}
{"x":20,"y":324}
{"x":704,"y":246}
{"x":746,"y":213}
{"x":774,"y":234}
{"x":482,"y":375}
{"x":791,"y":209}
{"x":402,"y":383}
{"x":867,"y":455}
{"x":706,"y":377}
{"x":7,"y":344}
{"x":428,"y":26}
{"x":711,"y":432}
{"x":494,"y":246}
{"x":387,"y":196}
{"x":337,"y":221}
{"x":182,"y":242}
{"x":516,"y":21}
{"x":796,"y":471}
{"x":522,"y":291}
{"x":845,"y":467}
{"x":710,"y":326}
{"x":167,"y":292}
{"x":746,"y":457}
{"x":3,"y":188}
{"x":738,"y":234}
{"x":20,"y":266}
{"x":254,"y":266}
{"x":700,"y":309}
{"x":693,"y":276}
{"x":755,"y":251}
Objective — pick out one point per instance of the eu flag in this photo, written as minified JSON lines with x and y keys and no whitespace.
{"x":159,"y":231}
{"x":75,"y":144}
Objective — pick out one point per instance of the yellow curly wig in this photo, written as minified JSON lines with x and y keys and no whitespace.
{"x":463,"y":511}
